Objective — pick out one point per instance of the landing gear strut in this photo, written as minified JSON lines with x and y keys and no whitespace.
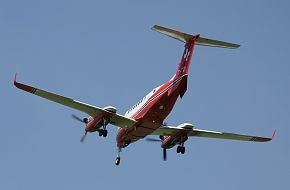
{"x":118,"y":159}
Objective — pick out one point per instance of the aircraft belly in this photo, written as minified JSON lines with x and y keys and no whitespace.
{"x":151,"y":120}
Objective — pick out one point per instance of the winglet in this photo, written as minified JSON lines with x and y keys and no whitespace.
{"x":264,"y":139}
{"x":24,"y":87}
{"x":15,"y":79}
{"x":273,"y":135}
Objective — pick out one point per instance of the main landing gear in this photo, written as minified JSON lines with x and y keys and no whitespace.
{"x":118,"y":159}
{"x":180,"y":149}
{"x":104,"y":132}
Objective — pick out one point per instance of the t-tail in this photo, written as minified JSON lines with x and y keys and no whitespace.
{"x":190,"y":41}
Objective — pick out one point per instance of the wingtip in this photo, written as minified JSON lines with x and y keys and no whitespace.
{"x":23,"y":86}
{"x":237,"y":46}
{"x":154,"y":27}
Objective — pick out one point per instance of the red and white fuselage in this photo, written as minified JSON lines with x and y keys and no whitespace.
{"x":148,"y":115}
{"x":151,"y":111}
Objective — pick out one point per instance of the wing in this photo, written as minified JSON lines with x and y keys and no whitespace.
{"x":168,"y":131}
{"x":117,"y":119}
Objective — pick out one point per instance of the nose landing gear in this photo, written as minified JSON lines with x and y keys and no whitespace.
{"x":118,"y":159}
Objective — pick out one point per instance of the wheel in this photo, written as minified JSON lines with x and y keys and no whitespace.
{"x":182,"y":151}
{"x":101,"y":132}
{"x":105,"y":133}
{"x":178,"y":149}
{"x":117,"y":161}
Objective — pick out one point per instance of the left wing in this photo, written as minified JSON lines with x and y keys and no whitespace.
{"x":117,"y":119}
{"x":168,"y":131}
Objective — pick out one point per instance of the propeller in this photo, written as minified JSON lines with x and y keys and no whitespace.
{"x":153,"y":140}
{"x":84,"y":137}
{"x":164,"y":154}
{"x":84,"y":120}
{"x":159,"y":140}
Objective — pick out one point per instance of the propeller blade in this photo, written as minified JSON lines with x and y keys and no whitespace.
{"x":153,"y":140}
{"x":85,"y":120}
{"x":164,"y":154}
{"x":84,"y":137}
{"x":77,"y":118}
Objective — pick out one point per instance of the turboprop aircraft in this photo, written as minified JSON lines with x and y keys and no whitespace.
{"x":147,"y":116}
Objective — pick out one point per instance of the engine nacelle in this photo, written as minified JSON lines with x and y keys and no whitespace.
{"x":110,"y":109}
{"x":185,"y":126}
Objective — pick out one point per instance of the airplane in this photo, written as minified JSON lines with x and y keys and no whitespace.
{"x":147,"y":116}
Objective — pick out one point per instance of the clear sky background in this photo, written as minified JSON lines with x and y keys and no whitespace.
{"x":104,"y":53}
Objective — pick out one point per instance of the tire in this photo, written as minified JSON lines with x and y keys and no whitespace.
{"x":117,"y":161}
{"x":182,"y":151}
{"x":105,"y":133}
{"x":178,"y":149}
{"x":101,"y":132}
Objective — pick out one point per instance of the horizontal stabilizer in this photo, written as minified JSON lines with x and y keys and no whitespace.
{"x":187,"y":37}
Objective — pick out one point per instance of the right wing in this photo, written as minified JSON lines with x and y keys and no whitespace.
{"x":232,"y":136}
{"x":168,"y":131}
{"x":117,"y":119}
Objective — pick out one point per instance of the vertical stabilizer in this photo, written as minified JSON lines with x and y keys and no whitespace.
{"x":181,"y":75}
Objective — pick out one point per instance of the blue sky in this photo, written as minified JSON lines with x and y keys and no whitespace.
{"x":104,"y":53}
